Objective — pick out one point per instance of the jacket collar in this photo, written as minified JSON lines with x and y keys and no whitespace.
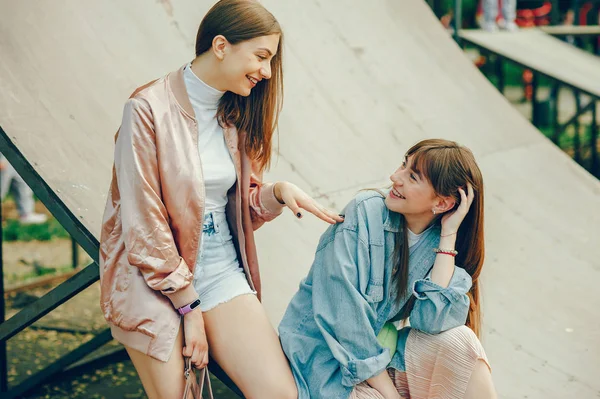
{"x":177,"y":85}
{"x":176,"y":82}
{"x":392,"y":221}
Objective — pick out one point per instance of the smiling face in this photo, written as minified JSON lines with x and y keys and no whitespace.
{"x":246,"y":64}
{"x":411,"y":194}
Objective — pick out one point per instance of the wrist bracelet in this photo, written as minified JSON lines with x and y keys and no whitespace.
{"x":189,"y":307}
{"x":448,"y":235}
{"x":451,"y":252}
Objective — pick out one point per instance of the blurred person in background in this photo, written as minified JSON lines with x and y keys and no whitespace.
{"x":11,"y":181}
{"x":491,"y":23}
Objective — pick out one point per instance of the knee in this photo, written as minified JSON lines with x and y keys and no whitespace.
{"x":288,"y":392}
{"x":285,"y":391}
{"x":460,"y":340}
{"x":276,"y":389}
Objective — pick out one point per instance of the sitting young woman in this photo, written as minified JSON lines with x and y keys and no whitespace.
{"x":413,"y":253}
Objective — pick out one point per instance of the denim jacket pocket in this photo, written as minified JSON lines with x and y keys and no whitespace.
{"x":375,"y":291}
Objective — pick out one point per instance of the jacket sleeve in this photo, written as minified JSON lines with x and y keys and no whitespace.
{"x":439,"y":309}
{"x":264,"y":206}
{"x":342,"y":311}
{"x":148,"y":238}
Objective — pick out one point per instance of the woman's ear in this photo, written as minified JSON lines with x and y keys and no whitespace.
{"x":219,"y":46}
{"x":444,"y":204}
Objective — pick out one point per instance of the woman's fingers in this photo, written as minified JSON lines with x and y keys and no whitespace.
{"x":323,"y":213}
{"x":296,"y":200}
{"x":204,"y":360}
{"x":198,"y":357}
{"x":333,"y":215}
{"x":187,"y":351}
{"x":294,"y":207}
{"x":464,"y":203}
{"x":195,"y":358}
{"x":466,"y":199}
{"x":316,"y":210}
{"x":471,"y":195}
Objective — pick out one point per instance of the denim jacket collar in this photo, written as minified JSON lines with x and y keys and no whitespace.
{"x":392,"y":222}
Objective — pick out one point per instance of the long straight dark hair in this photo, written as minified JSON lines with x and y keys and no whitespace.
{"x":258,"y":114}
{"x":448,"y":166}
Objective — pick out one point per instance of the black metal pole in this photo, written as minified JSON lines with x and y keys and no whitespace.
{"x":457,"y":19}
{"x":594,"y":167}
{"x":3,"y":355}
{"x":49,"y":302}
{"x":596,"y":39}
{"x":500,"y":73}
{"x":576,"y":126}
{"x":554,"y":13}
{"x":554,"y":94}
{"x":60,"y":364}
{"x":74,"y":253}
{"x":42,"y":190}
{"x":535,"y":109}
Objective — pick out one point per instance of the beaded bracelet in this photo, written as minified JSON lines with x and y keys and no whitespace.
{"x":451,"y":252}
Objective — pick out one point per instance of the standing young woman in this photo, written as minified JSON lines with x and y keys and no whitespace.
{"x":394,"y":258}
{"x":186,"y":195}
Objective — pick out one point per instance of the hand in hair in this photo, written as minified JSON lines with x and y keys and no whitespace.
{"x":296,"y":199}
{"x":451,"y":221}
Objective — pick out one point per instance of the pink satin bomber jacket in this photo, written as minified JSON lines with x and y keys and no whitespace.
{"x":153,"y":217}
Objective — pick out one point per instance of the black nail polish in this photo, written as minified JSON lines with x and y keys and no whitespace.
{"x":299,"y":215}
{"x":342,"y":216}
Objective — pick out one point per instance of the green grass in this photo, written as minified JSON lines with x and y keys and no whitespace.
{"x":14,"y":278}
{"x":13,"y":230}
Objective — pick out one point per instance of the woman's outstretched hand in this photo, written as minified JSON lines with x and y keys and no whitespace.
{"x":296,"y":200}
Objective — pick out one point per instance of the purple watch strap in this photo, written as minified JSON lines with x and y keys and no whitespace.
{"x":189,"y":307}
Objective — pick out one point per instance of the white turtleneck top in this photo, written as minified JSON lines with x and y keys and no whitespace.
{"x":217,"y":167}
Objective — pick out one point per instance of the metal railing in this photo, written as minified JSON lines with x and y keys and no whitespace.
{"x":60,"y":294}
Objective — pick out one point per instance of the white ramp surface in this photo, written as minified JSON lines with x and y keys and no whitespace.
{"x":364,"y":81}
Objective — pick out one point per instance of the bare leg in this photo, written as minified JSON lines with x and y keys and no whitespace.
{"x":161,"y":380}
{"x":243,"y":342}
{"x":481,"y":385}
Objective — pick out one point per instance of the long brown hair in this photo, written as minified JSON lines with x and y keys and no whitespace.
{"x":448,"y":166}
{"x":258,"y":114}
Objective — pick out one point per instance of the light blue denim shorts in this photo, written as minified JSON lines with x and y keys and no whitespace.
{"x":218,"y":277}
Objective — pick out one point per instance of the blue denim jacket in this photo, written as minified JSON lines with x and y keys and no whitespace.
{"x":329,"y":331}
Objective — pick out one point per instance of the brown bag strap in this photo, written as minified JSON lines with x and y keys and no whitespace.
{"x":191,"y":379}
{"x":205,"y":379}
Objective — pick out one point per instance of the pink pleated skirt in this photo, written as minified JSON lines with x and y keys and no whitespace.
{"x":437,"y":366}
